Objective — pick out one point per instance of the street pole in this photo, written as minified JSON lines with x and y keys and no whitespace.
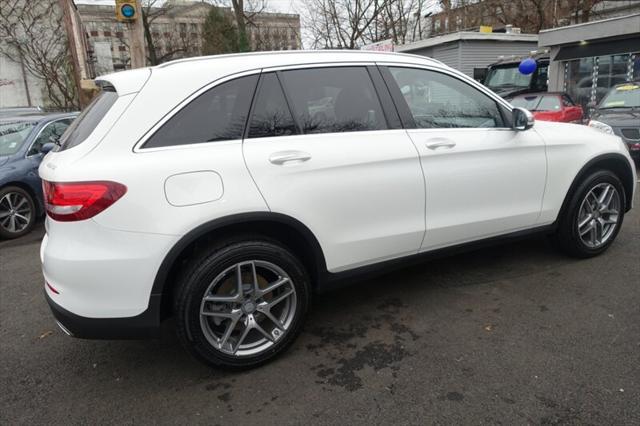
{"x":71,"y":41}
{"x":136,"y":40}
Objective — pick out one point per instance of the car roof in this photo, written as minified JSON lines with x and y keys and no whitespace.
{"x":192,"y":73}
{"x":36,"y":116}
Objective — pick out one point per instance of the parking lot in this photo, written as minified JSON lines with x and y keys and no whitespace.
{"x":516,"y":334}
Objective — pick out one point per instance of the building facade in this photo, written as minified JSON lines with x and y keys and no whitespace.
{"x":588,"y":59}
{"x":176,"y":32}
{"x":470,"y":52}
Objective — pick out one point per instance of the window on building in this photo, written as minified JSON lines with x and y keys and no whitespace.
{"x":340,"y":99}
{"x":438,"y":100}
{"x":216,"y":115}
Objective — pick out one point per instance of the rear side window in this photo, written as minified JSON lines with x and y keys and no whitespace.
{"x":271,"y":115}
{"x":84,"y":124}
{"x":219,"y":114}
{"x":341,"y":99}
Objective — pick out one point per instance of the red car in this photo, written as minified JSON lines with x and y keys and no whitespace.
{"x":550,"y":107}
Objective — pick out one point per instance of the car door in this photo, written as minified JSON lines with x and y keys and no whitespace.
{"x":325,"y":152}
{"x":482,"y":178}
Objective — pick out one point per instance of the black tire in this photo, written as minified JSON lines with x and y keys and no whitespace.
{"x":567,"y":237}
{"x":202,"y":271}
{"x":26,"y":209}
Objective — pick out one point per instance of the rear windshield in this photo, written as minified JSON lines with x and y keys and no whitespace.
{"x":82,"y":126}
{"x":537,"y":103}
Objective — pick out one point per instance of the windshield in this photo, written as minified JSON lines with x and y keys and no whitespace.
{"x":537,"y":102}
{"x":13,"y":134}
{"x":508,"y":76}
{"x":624,"y":96}
{"x":82,"y":126}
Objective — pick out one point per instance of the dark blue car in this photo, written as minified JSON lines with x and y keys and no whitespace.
{"x":24,"y":140}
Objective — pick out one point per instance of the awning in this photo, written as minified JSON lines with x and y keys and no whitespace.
{"x":587,"y":50}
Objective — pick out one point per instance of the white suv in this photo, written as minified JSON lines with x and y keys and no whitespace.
{"x":225,"y":191}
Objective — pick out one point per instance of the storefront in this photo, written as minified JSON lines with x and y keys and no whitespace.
{"x":588,"y":59}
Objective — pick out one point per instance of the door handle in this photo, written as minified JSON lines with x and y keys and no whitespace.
{"x":440,"y":144}
{"x":282,"y":157}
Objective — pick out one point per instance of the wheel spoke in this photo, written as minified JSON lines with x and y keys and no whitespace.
{"x":240,"y":291}
{"x":604,"y":194}
{"x":7,"y":199}
{"x":267,"y":313}
{"x":218,"y":314}
{"x":281,"y":281}
{"x":254,"y":276}
{"x":585,"y":221}
{"x":20,"y":203}
{"x":587,"y":229}
{"x":19,"y":216}
{"x":228,"y":332}
{"x":263,"y":332}
{"x":221,"y":299}
{"x":4,"y":214}
{"x":280,"y":298}
{"x":247,"y":329}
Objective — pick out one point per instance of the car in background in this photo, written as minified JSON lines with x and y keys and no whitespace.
{"x":24,"y":140}
{"x":557,"y":107}
{"x":505,"y":79}
{"x":619,"y":114}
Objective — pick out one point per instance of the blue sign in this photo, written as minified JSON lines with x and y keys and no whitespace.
{"x":127,"y":11}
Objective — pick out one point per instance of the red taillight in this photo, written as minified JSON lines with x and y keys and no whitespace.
{"x":72,"y":201}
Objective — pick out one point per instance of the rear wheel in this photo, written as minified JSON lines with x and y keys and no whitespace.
{"x":241,"y":304}
{"x":17,"y":212}
{"x":593,"y":216}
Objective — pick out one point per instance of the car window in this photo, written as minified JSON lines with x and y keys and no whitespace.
{"x":50,"y":133}
{"x":437,"y":100}
{"x":87,"y":121}
{"x":526,"y":101}
{"x":219,"y":114}
{"x":13,"y":133}
{"x":549,"y":103}
{"x":340,"y":99}
{"x":271,"y":115}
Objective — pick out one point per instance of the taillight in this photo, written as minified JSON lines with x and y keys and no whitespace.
{"x":70,"y":201}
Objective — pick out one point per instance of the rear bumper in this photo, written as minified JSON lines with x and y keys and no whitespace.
{"x":145,"y":325}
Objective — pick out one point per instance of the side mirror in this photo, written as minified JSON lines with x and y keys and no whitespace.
{"x":47,"y":147}
{"x":522,"y":119}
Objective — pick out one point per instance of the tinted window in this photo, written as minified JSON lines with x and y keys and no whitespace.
{"x":334,"y":100}
{"x":437,"y":100}
{"x":271,"y":115}
{"x":51,"y":133}
{"x":84,"y":124}
{"x":218,"y":114}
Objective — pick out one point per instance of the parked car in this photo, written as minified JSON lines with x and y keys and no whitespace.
{"x":505,"y":79}
{"x":619,"y":114}
{"x":551,"y":106}
{"x":24,"y":140}
{"x":211,"y":190}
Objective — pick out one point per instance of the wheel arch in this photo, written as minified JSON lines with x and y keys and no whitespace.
{"x":616,"y":163}
{"x":286,"y":230}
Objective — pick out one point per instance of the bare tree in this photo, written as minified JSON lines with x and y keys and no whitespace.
{"x":32,"y":33}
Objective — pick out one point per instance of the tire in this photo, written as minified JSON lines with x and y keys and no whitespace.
{"x":215,"y":274}
{"x":579,"y":211}
{"x":17,"y":212}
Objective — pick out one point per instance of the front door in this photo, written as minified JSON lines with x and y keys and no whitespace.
{"x":482,"y":178}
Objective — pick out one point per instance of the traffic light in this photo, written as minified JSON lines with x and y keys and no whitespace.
{"x":126,"y":11}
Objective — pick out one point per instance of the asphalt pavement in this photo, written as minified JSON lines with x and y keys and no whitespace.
{"x":515,"y":334}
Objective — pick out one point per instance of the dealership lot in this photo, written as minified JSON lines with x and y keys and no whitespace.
{"x":517,"y":334}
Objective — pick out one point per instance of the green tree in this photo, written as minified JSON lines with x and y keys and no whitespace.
{"x":220,"y":35}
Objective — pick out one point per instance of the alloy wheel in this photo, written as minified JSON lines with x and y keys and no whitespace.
{"x":598,"y":215}
{"x":248,"y":308}
{"x":15,"y":212}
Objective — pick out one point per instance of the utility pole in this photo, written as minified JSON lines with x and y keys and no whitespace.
{"x":65,"y":5}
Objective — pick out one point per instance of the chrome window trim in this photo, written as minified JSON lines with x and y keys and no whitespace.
{"x":40,"y":132}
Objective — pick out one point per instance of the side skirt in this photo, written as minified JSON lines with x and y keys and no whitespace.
{"x":331,"y":281}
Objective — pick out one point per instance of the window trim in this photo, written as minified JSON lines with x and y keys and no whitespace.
{"x":139,"y":148}
{"x":405,"y":113}
{"x":40,"y":132}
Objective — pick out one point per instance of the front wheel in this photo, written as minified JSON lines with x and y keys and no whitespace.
{"x":593,"y":217}
{"x":17,"y":212}
{"x":241,"y":304}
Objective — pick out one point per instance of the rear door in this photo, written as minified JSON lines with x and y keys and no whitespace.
{"x":482,"y":177}
{"x":326,"y":152}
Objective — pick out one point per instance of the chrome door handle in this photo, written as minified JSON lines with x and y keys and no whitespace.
{"x":283,"y":157}
{"x":440,"y":144}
